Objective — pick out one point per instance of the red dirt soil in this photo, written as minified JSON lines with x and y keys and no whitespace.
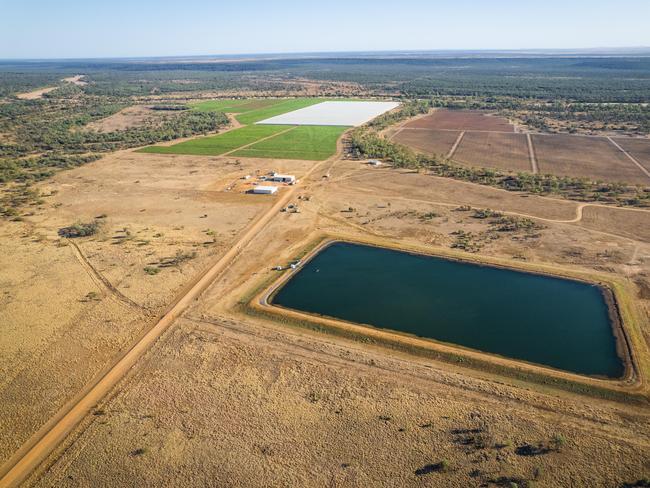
{"x":462,"y":120}
{"x":494,"y":150}
{"x":427,"y":141}
{"x":585,"y":157}
{"x":638,"y":148}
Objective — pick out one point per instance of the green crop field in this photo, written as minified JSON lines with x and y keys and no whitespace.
{"x":221,"y":143}
{"x":314,"y":143}
{"x":280,"y":108}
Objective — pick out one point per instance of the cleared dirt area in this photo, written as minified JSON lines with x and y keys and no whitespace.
{"x":437,"y":142}
{"x":135,"y":116}
{"x":461,"y":120}
{"x":595,"y":158}
{"x":76,"y":80}
{"x":226,"y":398}
{"x":68,"y":307}
{"x":494,"y":150}
{"x":638,"y":148}
{"x":36,"y":94}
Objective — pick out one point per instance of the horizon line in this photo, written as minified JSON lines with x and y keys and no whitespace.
{"x":593,"y":51}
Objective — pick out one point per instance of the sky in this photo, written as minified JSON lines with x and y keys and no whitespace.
{"x":140,"y":28}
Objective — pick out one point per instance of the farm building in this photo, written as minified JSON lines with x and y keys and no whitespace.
{"x":265,"y":190}
{"x":283,"y":178}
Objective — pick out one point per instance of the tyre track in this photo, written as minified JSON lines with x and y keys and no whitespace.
{"x":56,"y":430}
{"x":100,"y":280}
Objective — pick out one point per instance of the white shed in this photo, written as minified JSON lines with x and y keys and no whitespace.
{"x":265,"y":190}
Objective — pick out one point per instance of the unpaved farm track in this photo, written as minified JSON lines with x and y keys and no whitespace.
{"x":43,"y":442}
{"x":100,"y":280}
{"x":453,"y":149}
{"x":531,"y":155}
{"x":630,"y":157}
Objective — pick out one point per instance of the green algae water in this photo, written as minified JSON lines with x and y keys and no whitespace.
{"x":550,"y":321}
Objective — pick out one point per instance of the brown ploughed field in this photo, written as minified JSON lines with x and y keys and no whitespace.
{"x":494,"y":150}
{"x":585,"y":157}
{"x":639,"y":149}
{"x":461,"y":120}
{"x":427,"y":141}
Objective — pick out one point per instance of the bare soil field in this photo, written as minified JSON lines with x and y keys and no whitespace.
{"x":437,"y":142}
{"x":634,"y":225}
{"x":461,"y":120}
{"x":69,"y":306}
{"x":36,"y":94}
{"x":595,"y":158}
{"x":638,"y":148}
{"x":134,"y":116}
{"x":227,"y":398}
{"x":494,"y":150}
{"x":76,"y":80}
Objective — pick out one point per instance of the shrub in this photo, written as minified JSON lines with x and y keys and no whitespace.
{"x":80,"y":229}
{"x":439,"y":467}
{"x":151,"y":270}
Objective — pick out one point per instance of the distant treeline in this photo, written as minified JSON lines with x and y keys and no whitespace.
{"x":587,"y":79}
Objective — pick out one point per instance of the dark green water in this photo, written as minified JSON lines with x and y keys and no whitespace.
{"x":545,"y":320}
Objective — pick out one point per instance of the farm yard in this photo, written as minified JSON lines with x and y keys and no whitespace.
{"x":304,"y":128}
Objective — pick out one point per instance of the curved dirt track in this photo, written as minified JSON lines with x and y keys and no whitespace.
{"x":43,"y":442}
{"x":579,"y":209}
{"x":100,"y":280}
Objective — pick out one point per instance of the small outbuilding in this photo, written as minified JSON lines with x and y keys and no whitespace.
{"x":283,"y":178}
{"x":374,"y":162}
{"x":265,"y":190}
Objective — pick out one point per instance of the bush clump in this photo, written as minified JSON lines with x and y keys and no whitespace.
{"x":80,"y":229}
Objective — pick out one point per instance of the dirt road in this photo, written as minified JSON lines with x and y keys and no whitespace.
{"x":630,"y":157}
{"x":41,"y":444}
{"x":531,"y":155}
{"x":453,"y":149}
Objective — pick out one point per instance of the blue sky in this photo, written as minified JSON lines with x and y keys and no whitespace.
{"x":115,"y":28}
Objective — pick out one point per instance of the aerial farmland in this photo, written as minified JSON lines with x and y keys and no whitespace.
{"x":282,"y":272}
{"x":280,"y":128}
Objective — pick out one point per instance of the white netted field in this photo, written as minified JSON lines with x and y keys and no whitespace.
{"x":333,"y":113}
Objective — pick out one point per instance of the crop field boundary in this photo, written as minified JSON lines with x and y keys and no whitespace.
{"x":629,"y":156}
{"x":631,"y":388}
{"x":314,"y":142}
{"x":631,"y":171}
